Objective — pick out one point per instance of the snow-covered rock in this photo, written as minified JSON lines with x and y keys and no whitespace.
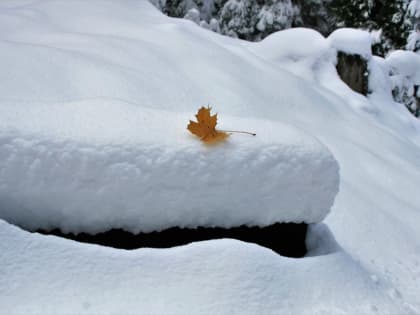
{"x":96,"y":165}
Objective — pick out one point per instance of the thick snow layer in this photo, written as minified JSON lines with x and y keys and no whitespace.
{"x":293,"y":44}
{"x":351,"y":41}
{"x":299,"y":50}
{"x":96,"y":165}
{"x":126,"y":52}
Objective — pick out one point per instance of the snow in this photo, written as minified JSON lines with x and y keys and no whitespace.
{"x":405,"y":63}
{"x":413,"y":40}
{"x":294,"y":44}
{"x":414,"y":8}
{"x":299,"y":50}
{"x":351,"y":41}
{"x":105,"y":162}
{"x":212,"y":277}
{"x":193,"y":15}
{"x":364,"y":259}
{"x":404,"y":67}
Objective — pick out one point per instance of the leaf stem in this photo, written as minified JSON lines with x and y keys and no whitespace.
{"x":235,"y":131}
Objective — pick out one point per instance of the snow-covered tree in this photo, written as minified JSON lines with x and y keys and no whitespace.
{"x":246,"y":19}
{"x":385,"y":15}
{"x":238,"y":18}
{"x":214,"y":25}
{"x":254,"y":20}
{"x":276,"y":15}
{"x":182,"y":8}
{"x":405,"y":92}
{"x":413,"y":12}
{"x":410,"y":91}
{"x":193,"y":15}
{"x":315,"y":14}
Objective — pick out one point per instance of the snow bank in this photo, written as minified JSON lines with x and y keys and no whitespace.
{"x":95,"y":165}
{"x":352,"y":41}
{"x":48,"y":275}
{"x":299,"y":50}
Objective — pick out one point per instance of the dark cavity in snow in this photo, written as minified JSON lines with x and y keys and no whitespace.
{"x":286,"y":239}
{"x":353,"y":70}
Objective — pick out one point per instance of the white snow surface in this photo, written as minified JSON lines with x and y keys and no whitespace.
{"x":57,"y":276}
{"x":310,"y":44}
{"x":351,"y":41}
{"x":298,"y":50}
{"x":140,"y":169}
{"x":125,"y":54}
{"x":405,"y":63}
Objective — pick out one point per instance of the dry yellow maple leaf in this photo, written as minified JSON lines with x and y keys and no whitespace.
{"x":205,"y":127}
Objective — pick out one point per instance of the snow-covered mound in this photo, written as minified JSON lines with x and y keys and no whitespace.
{"x":298,"y":50}
{"x":54,"y":276}
{"x":303,"y":43}
{"x":96,"y":165}
{"x":105,"y":54}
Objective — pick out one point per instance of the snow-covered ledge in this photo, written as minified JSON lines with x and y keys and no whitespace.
{"x":97,"y":165}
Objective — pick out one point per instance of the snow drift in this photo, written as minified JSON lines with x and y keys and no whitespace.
{"x":49,"y":275}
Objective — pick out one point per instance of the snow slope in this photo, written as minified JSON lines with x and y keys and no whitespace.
{"x":126,"y":52}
